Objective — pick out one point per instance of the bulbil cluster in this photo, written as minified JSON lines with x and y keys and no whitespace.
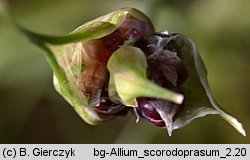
{"x":165,"y":69}
{"x":118,"y":63}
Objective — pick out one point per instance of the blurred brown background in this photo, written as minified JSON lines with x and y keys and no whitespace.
{"x":31,"y":111}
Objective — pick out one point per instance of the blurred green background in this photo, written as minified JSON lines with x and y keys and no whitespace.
{"x":31,"y":111}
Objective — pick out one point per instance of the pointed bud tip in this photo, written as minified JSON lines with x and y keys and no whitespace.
{"x":179,"y":98}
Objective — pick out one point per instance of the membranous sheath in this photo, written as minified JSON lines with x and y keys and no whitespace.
{"x":84,"y":62}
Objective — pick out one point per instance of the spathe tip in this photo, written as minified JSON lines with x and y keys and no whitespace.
{"x":169,"y":129}
{"x":169,"y":124}
{"x":168,"y":120}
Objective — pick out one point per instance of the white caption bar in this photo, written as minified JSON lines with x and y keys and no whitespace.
{"x":125,"y":151}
